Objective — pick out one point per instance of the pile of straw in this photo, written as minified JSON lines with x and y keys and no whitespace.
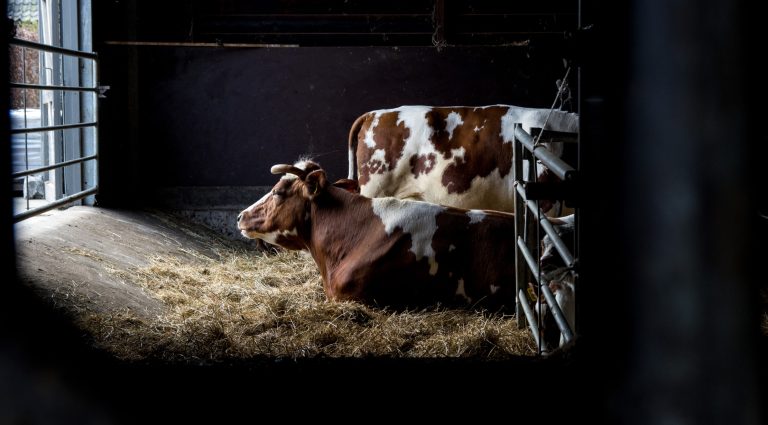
{"x":248,"y":304}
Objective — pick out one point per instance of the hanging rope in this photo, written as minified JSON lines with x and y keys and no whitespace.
{"x":560,"y":89}
{"x":438,"y":37}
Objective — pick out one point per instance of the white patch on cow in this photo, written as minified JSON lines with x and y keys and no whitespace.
{"x":460,"y":291}
{"x":271,"y":237}
{"x":418,"y":219}
{"x":380,"y":156}
{"x":529,"y":118}
{"x":477,"y":129}
{"x":458,"y":154}
{"x":451,"y":247}
{"x":369,"y":133}
{"x":451,"y":122}
{"x":489,"y":190}
{"x":300,"y":164}
{"x":494,"y":289}
{"x":259,"y":202}
{"x":475,"y":216}
{"x":508,"y":128}
{"x":414,"y":118}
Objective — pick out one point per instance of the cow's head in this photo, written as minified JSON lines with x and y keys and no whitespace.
{"x":561,"y":284}
{"x":282,"y":216}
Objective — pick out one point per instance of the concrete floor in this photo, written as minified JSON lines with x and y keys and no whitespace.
{"x":80,"y":254}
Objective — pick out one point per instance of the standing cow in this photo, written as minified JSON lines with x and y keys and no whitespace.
{"x":387,"y":251}
{"x":458,"y":156}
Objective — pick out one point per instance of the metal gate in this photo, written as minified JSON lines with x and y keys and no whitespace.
{"x":529,"y":220}
{"x":60,"y":152}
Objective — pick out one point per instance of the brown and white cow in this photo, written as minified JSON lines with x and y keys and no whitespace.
{"x":458,"y":156}
{"x":387,"y":251}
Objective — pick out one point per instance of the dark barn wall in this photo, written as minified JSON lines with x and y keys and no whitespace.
{"x":181,"y":122}
{"x":222,"y":117}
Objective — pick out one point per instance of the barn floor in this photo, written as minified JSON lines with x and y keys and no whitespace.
{"x":78,"y":253}
{"x":152,"y":286}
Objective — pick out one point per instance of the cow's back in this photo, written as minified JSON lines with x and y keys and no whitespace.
{"x":458,"y":156}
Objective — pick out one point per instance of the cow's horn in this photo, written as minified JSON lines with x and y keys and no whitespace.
{"x":285,"y":168}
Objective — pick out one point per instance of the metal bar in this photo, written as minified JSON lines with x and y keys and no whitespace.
{"x":181,"y":44}
{"x":529,"y":314}
{"x":562,"y":324}
{"x":70,"y":75}
{"x":47,"y":87}
{"x":88,"y":100}
{"x":53,"y":166}
{"x":550,"y":160}
{"x":52,"y":49}
{"x":52,"y":128}
{"x":517,"y":170}
{"x":565,"y":254}
{"x":39,"y":210}
{"x":95,"y":173}
{"x":26,"y":135}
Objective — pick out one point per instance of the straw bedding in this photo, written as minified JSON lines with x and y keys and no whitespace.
{"x":243,"y":304}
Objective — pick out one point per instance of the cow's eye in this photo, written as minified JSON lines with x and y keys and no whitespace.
{"x":278,"y":193}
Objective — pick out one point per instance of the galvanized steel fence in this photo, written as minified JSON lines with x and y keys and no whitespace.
{"x":529,"y":220}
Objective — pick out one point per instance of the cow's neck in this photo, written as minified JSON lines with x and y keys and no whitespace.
{"x":337,"y":223}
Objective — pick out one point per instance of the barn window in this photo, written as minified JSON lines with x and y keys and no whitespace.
{"x":53,"y":105}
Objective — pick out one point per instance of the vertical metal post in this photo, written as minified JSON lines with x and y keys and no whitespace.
{"x":517,"y":173}
{"x":56,"y":138}
{"x":519,"y":205}
{"x":88,"y":100}
{"x":70,"y":39}
{"x":532,"y":242}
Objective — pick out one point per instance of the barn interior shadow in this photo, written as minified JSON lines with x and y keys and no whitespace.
{"x":74,"y":262}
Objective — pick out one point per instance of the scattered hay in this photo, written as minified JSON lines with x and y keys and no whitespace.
{"x":247,"y":304}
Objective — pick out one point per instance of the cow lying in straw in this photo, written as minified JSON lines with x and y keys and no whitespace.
{"x":386,"y":251}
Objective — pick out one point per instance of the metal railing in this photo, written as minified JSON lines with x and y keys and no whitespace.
{"x":529,"y":219}
{"x":98,"y":92}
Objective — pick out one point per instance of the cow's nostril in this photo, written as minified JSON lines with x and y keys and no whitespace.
{"x":239,"y":216}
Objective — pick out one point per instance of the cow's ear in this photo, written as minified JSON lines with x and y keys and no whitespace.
{"x":348,"y":184}
{"x":314,"y":183}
